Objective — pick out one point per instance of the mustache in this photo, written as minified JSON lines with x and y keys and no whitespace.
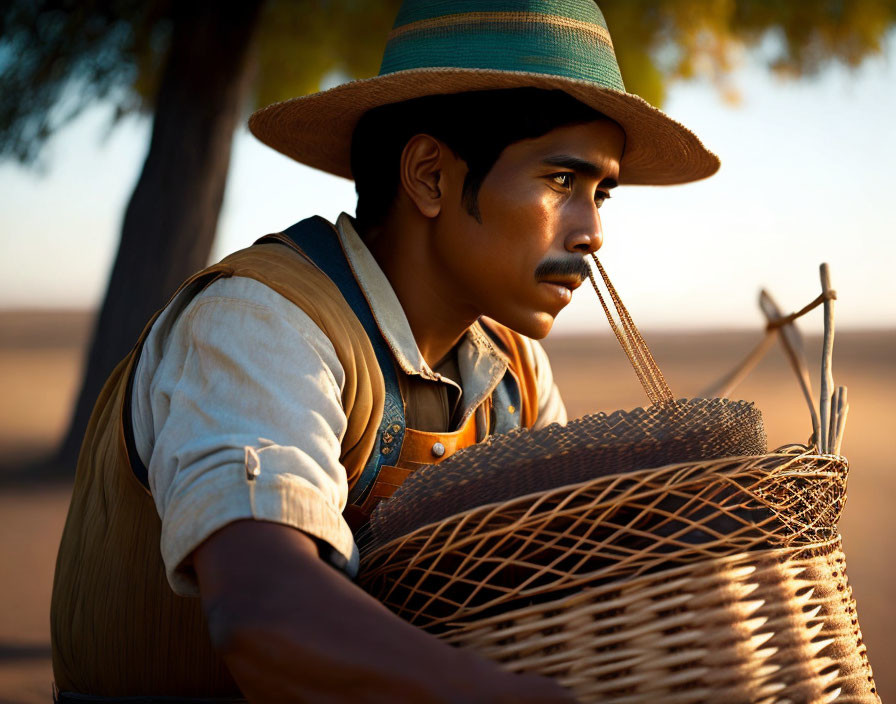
{"x":568,"y":266}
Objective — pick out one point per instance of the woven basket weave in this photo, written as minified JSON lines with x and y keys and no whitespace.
{"x":612,"y":527}
{"x":766,"y":626}
{"x":689,"y":582}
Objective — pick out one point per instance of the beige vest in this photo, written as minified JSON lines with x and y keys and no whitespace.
{"x":117,"y":628}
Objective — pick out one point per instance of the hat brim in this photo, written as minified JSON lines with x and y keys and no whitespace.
{"x":317,"y":129}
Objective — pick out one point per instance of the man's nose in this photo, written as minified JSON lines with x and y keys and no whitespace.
{"x":586,"y":235}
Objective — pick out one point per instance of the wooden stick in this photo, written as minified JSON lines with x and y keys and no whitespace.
{"x":792,"y":342}
{"x":836,"y":407}
{"x":839,"y":408}
{"x":827,"y":376}
{"x":842,"y":428}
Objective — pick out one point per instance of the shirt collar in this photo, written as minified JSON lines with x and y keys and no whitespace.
{"x":479,"y":360}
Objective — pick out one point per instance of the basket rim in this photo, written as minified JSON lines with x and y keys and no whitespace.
{"x":809,"y":453}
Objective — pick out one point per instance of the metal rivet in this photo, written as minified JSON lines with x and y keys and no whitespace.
{"x":386,"y":450}
{"x":438,"y":449}
{"x":511,"y":409}
{"x":253,"y":464}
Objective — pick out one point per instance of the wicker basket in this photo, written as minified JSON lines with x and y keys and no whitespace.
{"x":700,"y":581}
{"x":686,"y":583}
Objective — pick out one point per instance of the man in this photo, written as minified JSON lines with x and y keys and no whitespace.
{"x":285,"y":391}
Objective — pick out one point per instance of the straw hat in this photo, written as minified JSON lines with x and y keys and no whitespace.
{"x":454,"y":46}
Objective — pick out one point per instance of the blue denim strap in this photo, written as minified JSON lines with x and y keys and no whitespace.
{"x":320,"y":242}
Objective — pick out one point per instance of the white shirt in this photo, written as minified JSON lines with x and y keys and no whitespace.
{"x":238,"y":380}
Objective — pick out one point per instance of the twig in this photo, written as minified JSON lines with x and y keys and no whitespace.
{"x":827,"y":376}
{"x":841,"y":421}
{"x":835,"y":415}
{"x":792,"y":342}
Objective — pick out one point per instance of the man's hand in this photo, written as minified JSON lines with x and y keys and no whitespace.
{"x":291,"y":628}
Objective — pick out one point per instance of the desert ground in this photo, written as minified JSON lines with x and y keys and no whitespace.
{"x":40,"y":361}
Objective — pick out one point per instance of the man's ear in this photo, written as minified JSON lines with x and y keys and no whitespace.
{"x":421,"y":173}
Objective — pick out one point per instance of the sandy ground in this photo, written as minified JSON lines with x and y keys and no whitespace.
{"x":40,"y":357}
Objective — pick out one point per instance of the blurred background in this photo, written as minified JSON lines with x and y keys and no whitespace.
{"x":125,"y":165}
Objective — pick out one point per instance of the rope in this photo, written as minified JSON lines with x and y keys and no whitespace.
{"x":827,"y":429}
{"x":623,"y":342}
{"x":787,"y":319}
{"x":648,"y":372}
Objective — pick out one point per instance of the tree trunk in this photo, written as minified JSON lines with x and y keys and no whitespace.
{"x":170,"y":222}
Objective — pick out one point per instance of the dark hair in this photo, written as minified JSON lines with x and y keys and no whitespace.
{"x":477,"y":126}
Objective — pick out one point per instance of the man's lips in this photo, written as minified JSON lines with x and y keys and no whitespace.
{"x":570,"y":282}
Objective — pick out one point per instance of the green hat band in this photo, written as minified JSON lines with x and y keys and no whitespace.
{"x":566,"y":38}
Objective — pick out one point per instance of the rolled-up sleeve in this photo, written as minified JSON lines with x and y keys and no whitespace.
{"x":239,"y":410}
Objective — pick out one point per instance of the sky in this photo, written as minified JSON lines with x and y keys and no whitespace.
{"x":807,"y":177}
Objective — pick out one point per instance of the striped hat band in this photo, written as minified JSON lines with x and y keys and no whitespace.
{"x":577,"y":46}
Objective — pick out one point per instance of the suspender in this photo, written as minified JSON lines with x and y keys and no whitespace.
{"x":318,"y":240}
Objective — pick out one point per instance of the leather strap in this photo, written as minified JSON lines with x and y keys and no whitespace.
{"x":418,"y":450}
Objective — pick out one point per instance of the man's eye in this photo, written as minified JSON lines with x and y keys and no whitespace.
{"x":563,"y":179}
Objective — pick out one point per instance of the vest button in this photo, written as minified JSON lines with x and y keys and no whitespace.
{"x":438,"y":449}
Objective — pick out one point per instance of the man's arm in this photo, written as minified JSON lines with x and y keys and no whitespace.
{"x":244,"y":380}
{"x":292,"y":628}
{"x":237,"y":414}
